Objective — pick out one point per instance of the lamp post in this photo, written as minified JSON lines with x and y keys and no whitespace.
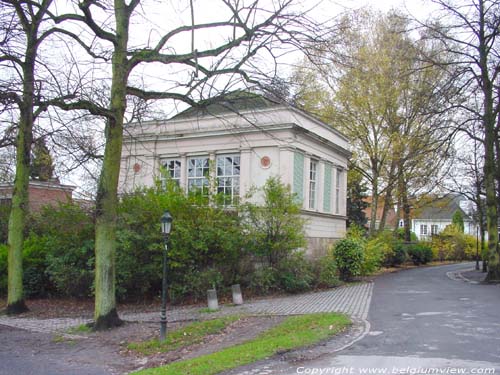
{"x":477,"y":248}
{"x":166,"y":226}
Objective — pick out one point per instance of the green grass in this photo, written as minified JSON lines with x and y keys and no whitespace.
{"x":188,"y":335}
{"x":292,"y":333}
{"x":82,"y":328}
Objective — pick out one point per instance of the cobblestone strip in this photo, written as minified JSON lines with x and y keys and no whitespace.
{"x":353,"y":300}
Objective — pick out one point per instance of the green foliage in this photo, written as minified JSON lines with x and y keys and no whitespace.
{"x":400,"y":235}
{"x":4,"y":222}
{"x":327,"y":274}
{"x":262,"y":280}
{"x":458,"y":221}
{"x":420,"y":253}
{"x":204,"y":248}
{"x":295,"y":274}
{"x":453,"y":244}
{"x":390,"y":248}
{"x":4,"y":253}
{"x":374,"y":257}
{"x":190,"y":334}
{"x":348,"y":254}
{"x":293,"y":332}
{"x":356,"y":232}
{"x":41,"y":167}
{"x":356,"y":203}
{"x":275,"y":228}
{"x":62,"y":239}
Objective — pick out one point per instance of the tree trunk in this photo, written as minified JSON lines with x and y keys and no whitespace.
{"x":105,"y":314}
{"x":374,"y":204}
{"x":385,"y":210}
{"x":20,"y":194}
{"x":489,"y":155}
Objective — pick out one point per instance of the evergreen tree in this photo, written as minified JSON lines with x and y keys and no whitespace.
{"x":41,"y":168}
{"x":356,"y":198}
{"x":458,"y":221}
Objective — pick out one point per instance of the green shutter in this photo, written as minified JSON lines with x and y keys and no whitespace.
{"x":327,"y":191}
{"x":298,"y":176}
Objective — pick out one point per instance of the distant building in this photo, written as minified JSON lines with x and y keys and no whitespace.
{"x":391,"y":219}
{"x":41,"y":193}
{"x":435,"y":216}
{"x":240,"y":142}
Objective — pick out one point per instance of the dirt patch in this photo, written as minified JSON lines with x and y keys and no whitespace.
{"x":125,"y":360}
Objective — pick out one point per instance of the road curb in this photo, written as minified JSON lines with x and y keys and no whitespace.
{"x":458,"y":276}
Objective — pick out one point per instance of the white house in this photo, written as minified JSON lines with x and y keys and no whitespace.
{"x":248,"y":138}
{"x":435,"y":216}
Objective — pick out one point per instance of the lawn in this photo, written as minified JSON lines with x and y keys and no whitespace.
{"x":294,"y":332}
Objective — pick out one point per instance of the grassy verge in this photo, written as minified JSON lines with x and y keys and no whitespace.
{"x":191,"y":334}
{"x":292,"y":333}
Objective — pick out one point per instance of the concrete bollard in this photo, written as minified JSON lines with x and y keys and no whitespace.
{"x":237,"y":296}
{"x":213,"y":304}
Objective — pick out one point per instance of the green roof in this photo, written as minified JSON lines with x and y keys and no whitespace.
{"x":233,"y":102}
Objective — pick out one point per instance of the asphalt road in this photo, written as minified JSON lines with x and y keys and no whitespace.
{"x":31,"y":353}
{"x":422,"y":322}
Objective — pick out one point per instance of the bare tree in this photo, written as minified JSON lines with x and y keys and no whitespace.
{"x":241,"y":35}
{"x":470,"y":31}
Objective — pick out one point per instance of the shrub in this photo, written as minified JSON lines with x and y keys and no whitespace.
{"x":348,"y":254}
{"x":327,"y":274}
{"x":399,"y":255}
{"x":373,"y":258}
{"x":274,"y":229}
{"x":452,"y":244}
{"x":205,"y":239}
{"x":3,"y":269}
{"x":61,"y":241}
{"x":420,"y":253}
{"x":294,"y":274}
{"x":400,"y":235}
{"x":262,"y":280}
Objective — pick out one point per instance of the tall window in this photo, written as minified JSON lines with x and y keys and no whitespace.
{"x":228,"y":178}
{"x":198,"y":173}
{"x":313,"y":182}
{"x":434,"y":229}
{"x":338,"y":181}
{"x":423,"y":229}
{"x":173,"y":170}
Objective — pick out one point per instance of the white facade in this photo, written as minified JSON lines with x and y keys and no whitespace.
{"x":426,"y":228}
{"x":247,"y":148}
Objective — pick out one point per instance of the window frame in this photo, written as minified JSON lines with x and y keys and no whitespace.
{"x":169,"y":173}
{"x":231,"y":190}
{"x":313,"y":184}
{"x":204,"y":177}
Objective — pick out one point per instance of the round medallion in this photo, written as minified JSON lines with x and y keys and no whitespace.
{"x":137,"y":167}
{"x":265,"y":162}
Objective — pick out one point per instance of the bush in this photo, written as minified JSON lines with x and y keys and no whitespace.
{"x":3,"y":269}
{"x":327,"y":274}
{"x":452,"y":244}
{"x":274,"y":229}
{"x":399,"y":255}
{"x":294,"y":274}
{"x":374,"y":257}
{"x":205,"y":239}
{"x":420,"y":253}
{"x":262,"y":280}
{"x":400,"y":235}
{"x":348,"y":254}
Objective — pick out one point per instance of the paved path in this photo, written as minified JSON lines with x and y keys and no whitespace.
{"x":353,"y":300}
{"x":423,"y":321}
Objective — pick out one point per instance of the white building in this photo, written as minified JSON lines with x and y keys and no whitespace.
{"x":248,"y":138}
{"x":435,"y":216}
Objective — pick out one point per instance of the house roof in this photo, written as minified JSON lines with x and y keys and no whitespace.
{"x":440,"y":209}
{"x":232,"y":102}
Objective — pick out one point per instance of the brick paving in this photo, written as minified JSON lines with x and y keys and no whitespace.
{"x":353,"y":300}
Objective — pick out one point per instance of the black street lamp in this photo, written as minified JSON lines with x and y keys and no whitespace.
{"x":477,"y":248}
{"x":166,"y":227}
